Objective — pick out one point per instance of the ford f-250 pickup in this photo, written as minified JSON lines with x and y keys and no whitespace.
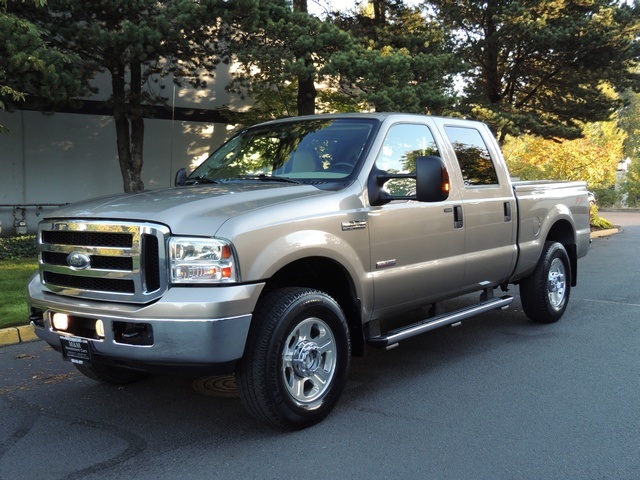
{"x":289,"y":248}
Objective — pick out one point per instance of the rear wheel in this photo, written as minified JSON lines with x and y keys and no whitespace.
{"x":110,"y":374}
{"x":545,"y":293}
{"x":297,"y":358}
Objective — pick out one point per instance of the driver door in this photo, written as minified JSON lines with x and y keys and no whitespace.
{"x":416,"y":247}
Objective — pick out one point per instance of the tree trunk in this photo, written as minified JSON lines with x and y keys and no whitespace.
{"x":136,"y":120}
{"x":300,"y":6}
{"x":129,"y":123}
{"x":491,"y":69}
{"x":307,"y":93}
{"x":379,"y":12}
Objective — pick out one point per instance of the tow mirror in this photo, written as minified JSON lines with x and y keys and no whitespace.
{"x":432,"y":180}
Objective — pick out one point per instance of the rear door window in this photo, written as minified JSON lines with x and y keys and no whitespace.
{"x":473,"y":156}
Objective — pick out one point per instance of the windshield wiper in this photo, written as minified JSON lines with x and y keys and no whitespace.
{"x":200,"y":181}
{"x":275,"y":178}
{"x":267,"y":178}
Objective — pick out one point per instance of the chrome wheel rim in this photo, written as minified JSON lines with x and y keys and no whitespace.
{"x":557,"y":284}
{"x":309,"y":361}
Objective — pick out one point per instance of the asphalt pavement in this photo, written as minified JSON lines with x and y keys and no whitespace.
{"x":495,"y":398}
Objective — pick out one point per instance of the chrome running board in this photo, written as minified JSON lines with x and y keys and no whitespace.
{"x":391,"y":338}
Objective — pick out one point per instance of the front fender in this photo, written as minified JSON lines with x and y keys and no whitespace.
{"x":286,"y":249}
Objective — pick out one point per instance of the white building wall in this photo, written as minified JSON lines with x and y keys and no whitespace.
{"x":62,"y":157}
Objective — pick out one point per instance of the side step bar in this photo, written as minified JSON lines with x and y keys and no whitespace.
{"x":391,"y":339}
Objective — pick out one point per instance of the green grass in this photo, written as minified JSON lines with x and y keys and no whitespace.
{"x":14,"y":275}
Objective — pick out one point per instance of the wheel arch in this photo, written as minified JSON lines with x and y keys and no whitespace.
{"x":326,"y":275}
{"x":563,"y":231}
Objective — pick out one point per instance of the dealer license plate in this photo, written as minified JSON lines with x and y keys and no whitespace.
{"x":76,"y":350}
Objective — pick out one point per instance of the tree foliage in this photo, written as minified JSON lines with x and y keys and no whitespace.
{"x":630,"y":188}
{"x":538,"y":66}
{"x":630,"y":123}
{"x":592,"y":158}
{"x":282,"y":52}
{"x":31,"y":67}
{"x":402,"y":61}
{"x":130,"y":41}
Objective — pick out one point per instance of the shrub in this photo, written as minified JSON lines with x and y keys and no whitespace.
{"x":607,"y":197}
{"x":13,"y":248}
{"x":600,"y":223}
{"x":596,"y":221}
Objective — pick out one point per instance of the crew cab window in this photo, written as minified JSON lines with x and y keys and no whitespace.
{"x":473,"y":156}
{"x":402,"y":145}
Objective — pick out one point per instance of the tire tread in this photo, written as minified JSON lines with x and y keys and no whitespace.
{"x":533,"y":290}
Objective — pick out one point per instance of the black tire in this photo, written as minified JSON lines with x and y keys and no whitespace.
{"x":545,"y":293}
{"x":297,"y":358}
{"x":110,"y":374}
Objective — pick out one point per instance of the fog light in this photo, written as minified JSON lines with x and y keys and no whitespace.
{"x":100,"y":328}
{"x":60,"y":321}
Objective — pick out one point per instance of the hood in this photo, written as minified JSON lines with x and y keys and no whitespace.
{"x":188,"y":210}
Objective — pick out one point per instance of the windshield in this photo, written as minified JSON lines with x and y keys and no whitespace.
{"x":307,"y":151}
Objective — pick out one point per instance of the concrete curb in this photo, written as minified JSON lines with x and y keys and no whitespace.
{"x":605,"y":233}
{"x":14,"y":335}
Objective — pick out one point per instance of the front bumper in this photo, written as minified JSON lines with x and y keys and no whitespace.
{"x":197,"y":326}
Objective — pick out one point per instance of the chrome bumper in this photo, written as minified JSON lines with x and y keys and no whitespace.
{"x":189,"y":326}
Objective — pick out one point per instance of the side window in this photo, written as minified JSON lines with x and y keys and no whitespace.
{"x":473,"y":156}
{"x":403,"y":144}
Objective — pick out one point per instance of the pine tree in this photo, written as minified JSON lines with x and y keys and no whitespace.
{"x":132,"y":41}
{"x":282,"y":52}
{"x":538,"y":66}
{"x":29,"y":67}
{"x":403,"y":61}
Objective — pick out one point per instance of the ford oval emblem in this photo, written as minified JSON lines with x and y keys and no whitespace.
{"x":78,"y":261}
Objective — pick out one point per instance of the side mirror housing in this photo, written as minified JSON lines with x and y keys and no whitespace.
{"x":181,"y":177}
{"x":432,"y":180}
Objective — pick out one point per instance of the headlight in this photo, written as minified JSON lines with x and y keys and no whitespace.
{"x":201,"y":260}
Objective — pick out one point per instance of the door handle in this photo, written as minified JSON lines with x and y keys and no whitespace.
{"x":507,"y":211}
{"x":457,"y":217}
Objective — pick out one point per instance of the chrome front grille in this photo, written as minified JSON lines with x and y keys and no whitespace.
{"x":122,"y":262}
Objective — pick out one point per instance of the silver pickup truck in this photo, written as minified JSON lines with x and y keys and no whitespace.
{"x":293,"y":245}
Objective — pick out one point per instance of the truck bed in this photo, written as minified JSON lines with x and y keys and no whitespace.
{"x":541,"y":201}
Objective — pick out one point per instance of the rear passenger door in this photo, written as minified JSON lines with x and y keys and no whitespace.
{"x":488,"y":207}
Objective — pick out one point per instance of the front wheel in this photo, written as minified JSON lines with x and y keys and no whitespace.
{"x":297,"y":358}
{"x":545,"y":293}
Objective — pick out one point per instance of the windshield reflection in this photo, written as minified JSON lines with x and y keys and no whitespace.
{"x":305,"y":151}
